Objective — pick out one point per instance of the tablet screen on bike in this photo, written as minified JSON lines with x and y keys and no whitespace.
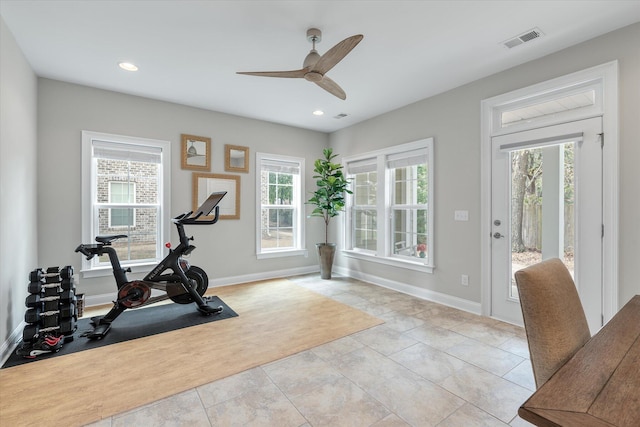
{"x":209,"y":204}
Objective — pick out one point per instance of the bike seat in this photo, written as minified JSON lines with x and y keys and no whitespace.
{"x":108,"y":239}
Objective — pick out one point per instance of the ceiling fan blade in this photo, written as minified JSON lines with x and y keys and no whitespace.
{"x":285,"y":74}
{"x":332,"y":87}
{"x":336,"y":54}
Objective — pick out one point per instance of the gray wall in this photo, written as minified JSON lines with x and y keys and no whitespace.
{"x":225,"y":250}
{"x":18,"y":224}
{"x":453,"y":119}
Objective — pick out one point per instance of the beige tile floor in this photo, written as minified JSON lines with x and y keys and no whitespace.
{"x":428,"y":365}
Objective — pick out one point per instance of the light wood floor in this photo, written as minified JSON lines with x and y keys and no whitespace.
{"x":276,"y":319}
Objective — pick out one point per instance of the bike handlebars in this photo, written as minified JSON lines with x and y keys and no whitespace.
{"x":186,"y":218}
{"x":209,"y":205}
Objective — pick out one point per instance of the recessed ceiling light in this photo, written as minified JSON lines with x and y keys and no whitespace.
{"x":127,"y":66}
{"x":318,"y":113}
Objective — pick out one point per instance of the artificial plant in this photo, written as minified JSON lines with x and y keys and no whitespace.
{"x":329,"y":197}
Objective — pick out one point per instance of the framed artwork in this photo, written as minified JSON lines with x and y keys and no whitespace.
{"x":206,"y":183}
{"x":195,"y":152}
{"x":236,"y":158}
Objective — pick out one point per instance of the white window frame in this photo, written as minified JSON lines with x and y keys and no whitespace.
{"x":89,"y":270}
{"x":384,"y":253}
{"x":299,"y":248}
{"x":130,"y":205}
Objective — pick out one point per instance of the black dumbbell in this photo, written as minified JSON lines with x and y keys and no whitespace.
{"x":52,"y":279}
{"x":32,"y":315}
{"x":67,"y":296}
{"x":51,"y":305}
{"x":51,"y":275}
{"x":68,"y":311}
{"x":49,"y":320}
{"x":36,"y":275}
{"x":30,"y":333}
{"x":33,"y":301}
{"x":67,"y":326}
{"x":34,"y":287}
{"x":66,"y":272}
{"x":51,"y":291}
{"x":68,"y":284}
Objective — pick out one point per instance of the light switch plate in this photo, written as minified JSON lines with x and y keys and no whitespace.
{"x":461,"y":215}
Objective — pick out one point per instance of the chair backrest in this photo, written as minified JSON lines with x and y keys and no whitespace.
{"x":554,"y":319}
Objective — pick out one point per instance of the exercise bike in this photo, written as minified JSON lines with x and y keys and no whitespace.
{"x":183,"y":283}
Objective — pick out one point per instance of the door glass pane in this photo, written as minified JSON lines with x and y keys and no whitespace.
{"x":542,"y":207}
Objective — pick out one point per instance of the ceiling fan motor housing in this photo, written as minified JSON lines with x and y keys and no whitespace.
{"x":311,"y":59}
{"x":314,"y":35}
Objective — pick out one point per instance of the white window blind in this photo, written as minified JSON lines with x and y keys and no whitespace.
{"x":281,"y":167}
{"x":407,"y":158}
{"x":122,"y":151}
{"x":362,"y":166}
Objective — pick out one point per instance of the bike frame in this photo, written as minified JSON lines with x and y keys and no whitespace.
{"x":156,"y":278}
{"x":170,"y":262}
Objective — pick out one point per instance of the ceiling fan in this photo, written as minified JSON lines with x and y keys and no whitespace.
{"x":315,"y":67}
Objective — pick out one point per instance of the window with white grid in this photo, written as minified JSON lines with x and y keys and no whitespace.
{"x":390,"y":213}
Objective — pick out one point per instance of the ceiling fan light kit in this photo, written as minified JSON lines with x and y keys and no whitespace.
{"x":315,"y":66}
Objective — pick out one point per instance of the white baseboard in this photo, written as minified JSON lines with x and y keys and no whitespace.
{"x":103,"y":299}
{"x":440,"y":298}
{"x":11,"y":343}
{"x":276,"y":274}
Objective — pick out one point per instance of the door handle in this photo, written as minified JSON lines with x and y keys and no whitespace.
{"x":497,"y":235}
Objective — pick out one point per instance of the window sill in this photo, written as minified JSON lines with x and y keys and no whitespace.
{"x":108,"y":271}
{"x":372,"y":257}
{"x":284,"y":253}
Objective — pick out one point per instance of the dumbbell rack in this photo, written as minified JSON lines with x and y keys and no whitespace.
{"x":52,"y":310}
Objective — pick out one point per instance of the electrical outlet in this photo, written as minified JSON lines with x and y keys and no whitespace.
{"x":464,"y":280}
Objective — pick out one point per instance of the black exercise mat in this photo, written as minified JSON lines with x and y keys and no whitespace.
{"x":135,"y":323}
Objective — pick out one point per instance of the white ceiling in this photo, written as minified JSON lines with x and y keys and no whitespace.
{"x":188,"y":51}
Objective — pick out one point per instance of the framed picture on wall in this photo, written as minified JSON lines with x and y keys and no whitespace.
{"x":195,"y":152}
{"x":206,"y":183}
{"x":236,"y":158}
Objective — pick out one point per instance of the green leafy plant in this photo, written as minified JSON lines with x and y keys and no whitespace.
{"x":329,"y":197}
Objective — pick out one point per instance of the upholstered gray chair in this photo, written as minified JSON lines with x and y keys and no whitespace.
{"x":554,"y":319}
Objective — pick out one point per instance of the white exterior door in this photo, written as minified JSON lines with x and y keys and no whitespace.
{"x":546,"y":202}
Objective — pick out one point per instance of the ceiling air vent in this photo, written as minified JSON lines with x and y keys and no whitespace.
{"x":340,"y":116}
{"x":523,"y":38}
